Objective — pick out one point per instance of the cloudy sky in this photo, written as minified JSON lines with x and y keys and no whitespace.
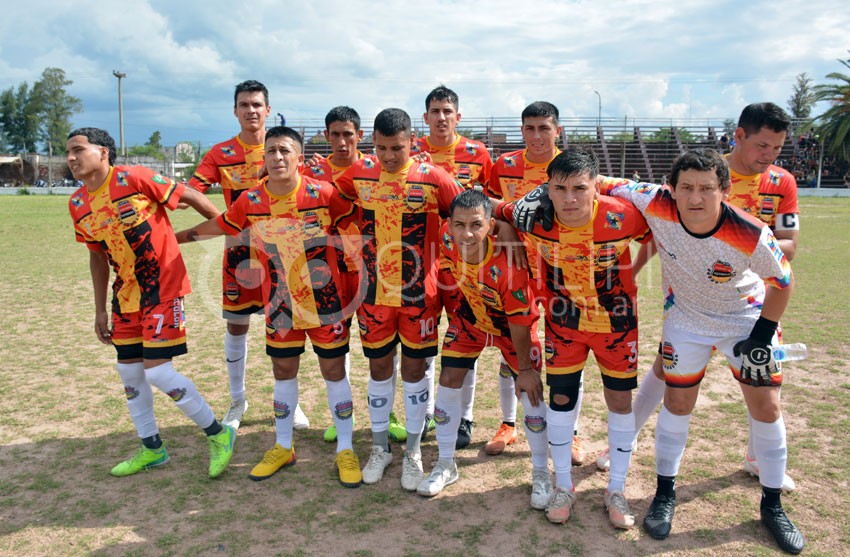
{"x":697,"y":59}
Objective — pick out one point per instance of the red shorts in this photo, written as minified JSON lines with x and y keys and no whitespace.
{"x":153,"y":333}
{"x":464,"y":342}
{"x":329,"y":341}
{"x":381,"y":327}
{"x":616,"y":354}
{"x":242,"y":280}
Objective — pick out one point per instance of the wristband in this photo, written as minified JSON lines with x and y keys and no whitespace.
{"x":763,"y":330}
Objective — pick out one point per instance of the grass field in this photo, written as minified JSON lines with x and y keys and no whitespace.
{"x":64,"y":424}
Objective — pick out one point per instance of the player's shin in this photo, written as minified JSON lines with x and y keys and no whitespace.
{"x":671,"y":436}
{"x":182,"y":391}
{"x":560,"y":426}
{"x":285,"y":401}
{"x":447,"y":414}
{"x":621,"y":435}
{"x":536,"y":433}
{"x":139,"y":398}
{"x":342,"y":409}
{"x":771,"y":451}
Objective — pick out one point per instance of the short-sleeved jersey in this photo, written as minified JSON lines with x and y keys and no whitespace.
{"x":466,"y":159}
{"x":770,"y":196}
{"x":325,"y":170}
{"x":714,"y":283}
{"x":489,"y":295}
{"x":585,"y":273}
{"x":514,"y":175}
{"x":400,"y":223}
{"x":233,"y":164}
{"x":126,"y":218}
{"x":299,"y":250}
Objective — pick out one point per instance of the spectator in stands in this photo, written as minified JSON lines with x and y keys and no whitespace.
{"x":636,"y":176}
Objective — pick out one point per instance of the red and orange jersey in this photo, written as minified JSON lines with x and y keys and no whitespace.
{"x":467,"y":160}
{"x":585,"y":273}
{"x":126,"y":218}
{"x":514,"y":175}
{"x":299,"y":248}
{"x":233,"y":164}
{"x":768,"y":196}
{"x":489,"y":295}
{"x":325,"y":170}
{"x":400,"y":224}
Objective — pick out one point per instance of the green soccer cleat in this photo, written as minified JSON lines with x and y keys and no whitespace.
{"x":221,"y":450}
{"x":396,"y":431}
{"x":143,"y":459}
{"x":330,"y":433}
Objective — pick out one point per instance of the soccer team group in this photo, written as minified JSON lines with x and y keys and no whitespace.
{"x":430,"y":224}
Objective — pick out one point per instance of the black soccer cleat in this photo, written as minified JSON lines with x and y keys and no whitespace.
{"x":786,"y":534}
{"x":659,"y":518}
{"x":464,"y":434}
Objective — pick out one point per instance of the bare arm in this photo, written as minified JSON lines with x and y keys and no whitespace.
{"x":787,"y":242}
{"x":99,"y":267}
{"x":507,"y":237}
{"x":528,"y":378}
{"x":776,"y":300}
{"x":646,"y":252}
{"x":199,"y":202}
{"x":203,"y":231}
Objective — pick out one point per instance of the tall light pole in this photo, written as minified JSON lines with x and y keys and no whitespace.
{"x":120,"y":76}
{"x":599,"y":114}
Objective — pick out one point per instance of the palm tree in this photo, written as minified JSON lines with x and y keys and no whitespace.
{"x":833,"y":126}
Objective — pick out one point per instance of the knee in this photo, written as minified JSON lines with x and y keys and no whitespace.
{"x":563,"y":398}
{"x":283,"y":369}
{"x":657,"y":368}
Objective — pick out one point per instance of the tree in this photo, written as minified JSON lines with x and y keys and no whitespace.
{"x":155,"y":139}
{"x":19,"y":119}
{"x":833,"y":126}
{"x":802,"y":98}
{"x":150,"y":149}
{"x":54,"y":107}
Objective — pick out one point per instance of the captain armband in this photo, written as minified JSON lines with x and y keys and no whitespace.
{"x":787,"y":221}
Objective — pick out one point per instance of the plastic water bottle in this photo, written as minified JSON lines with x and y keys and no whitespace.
{"x":790,"y":352}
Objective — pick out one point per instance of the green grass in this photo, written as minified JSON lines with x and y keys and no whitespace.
{"x":64,"y":424}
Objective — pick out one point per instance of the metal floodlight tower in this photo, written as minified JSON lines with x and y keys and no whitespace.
{"x":120,"y":76}
{"x":599,"y":114}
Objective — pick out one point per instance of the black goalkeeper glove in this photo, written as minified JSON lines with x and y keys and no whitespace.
{"x":758,"y":366}
{"x":535,"y":206}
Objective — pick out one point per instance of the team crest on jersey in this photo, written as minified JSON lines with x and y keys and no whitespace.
{"x":775,"y":177}
{"x":365,"y":193}
{"x":721,"y":272}
{"x":464,"y":173}
{"x":415,"y":197}
{"x":510,"y":162}
{"x":549,"y":348}
{"x":121,"y":178}
{"x":311,"y":220}
{"x":228,"y":150}
{"x":448,"y":242}
{"x":368,"y":163}
{"x":77,"y":200}
{"x":317,"y":170}
{"x":519,"y":295}
{"x":606,"y":256}
{"x":344,"y":410}
{"x":362,"y":326}
{"x":614,"y":220}
{"x":160,"y":179}
{"x":669,"y":358}
{"x":281,"y":410}
{"x":313,"y":190}
{"x":231,"y":291}
{"x":768,"y":206}
{"x":131,"y":392}
{"x":451,"y":333}
{"x":495,"y":273}
{"x":253,"y":197}
{"x":177,"y":394}
{"x":645,"y":189}
{"x":490,"y":296}
{"x":126,"y":211}
{"x":471,"y":148}
{"x":425,"y":168}
{"x":441,"y":417}
{"x":416,"y":149}
{"x":537,"y":424}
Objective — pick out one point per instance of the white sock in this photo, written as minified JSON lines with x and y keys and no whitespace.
{"x":236,"y":354}
{"x":285,"y":401}
{"x":139,"y":398}
{"x":342,"y":409}
{"x":560,"y":426}
{"x":380,"y":403}
{"x":429,"y":375}
{"x":535,"y":432}
{"x":671,"y":436}
{"x":183,"y":392}
{"x":447,"y":414}
{"x":649,"y":395}
{"x":621,"y":435}
{"x":771,"y":451}
{"x":507,"y":392}
{"x":415,"y":407}
{"x":468,"y":392}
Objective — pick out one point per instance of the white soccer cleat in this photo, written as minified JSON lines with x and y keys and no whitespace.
{"x":377,"y":463}
{"x":440,"y":477}
{"x":604,"y":461}
{"x":411,"y":471}
{"x":751,"y":467}
{"x":541,"y":489}
{"x":299,"y":420}
{"x":234,"y":414}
